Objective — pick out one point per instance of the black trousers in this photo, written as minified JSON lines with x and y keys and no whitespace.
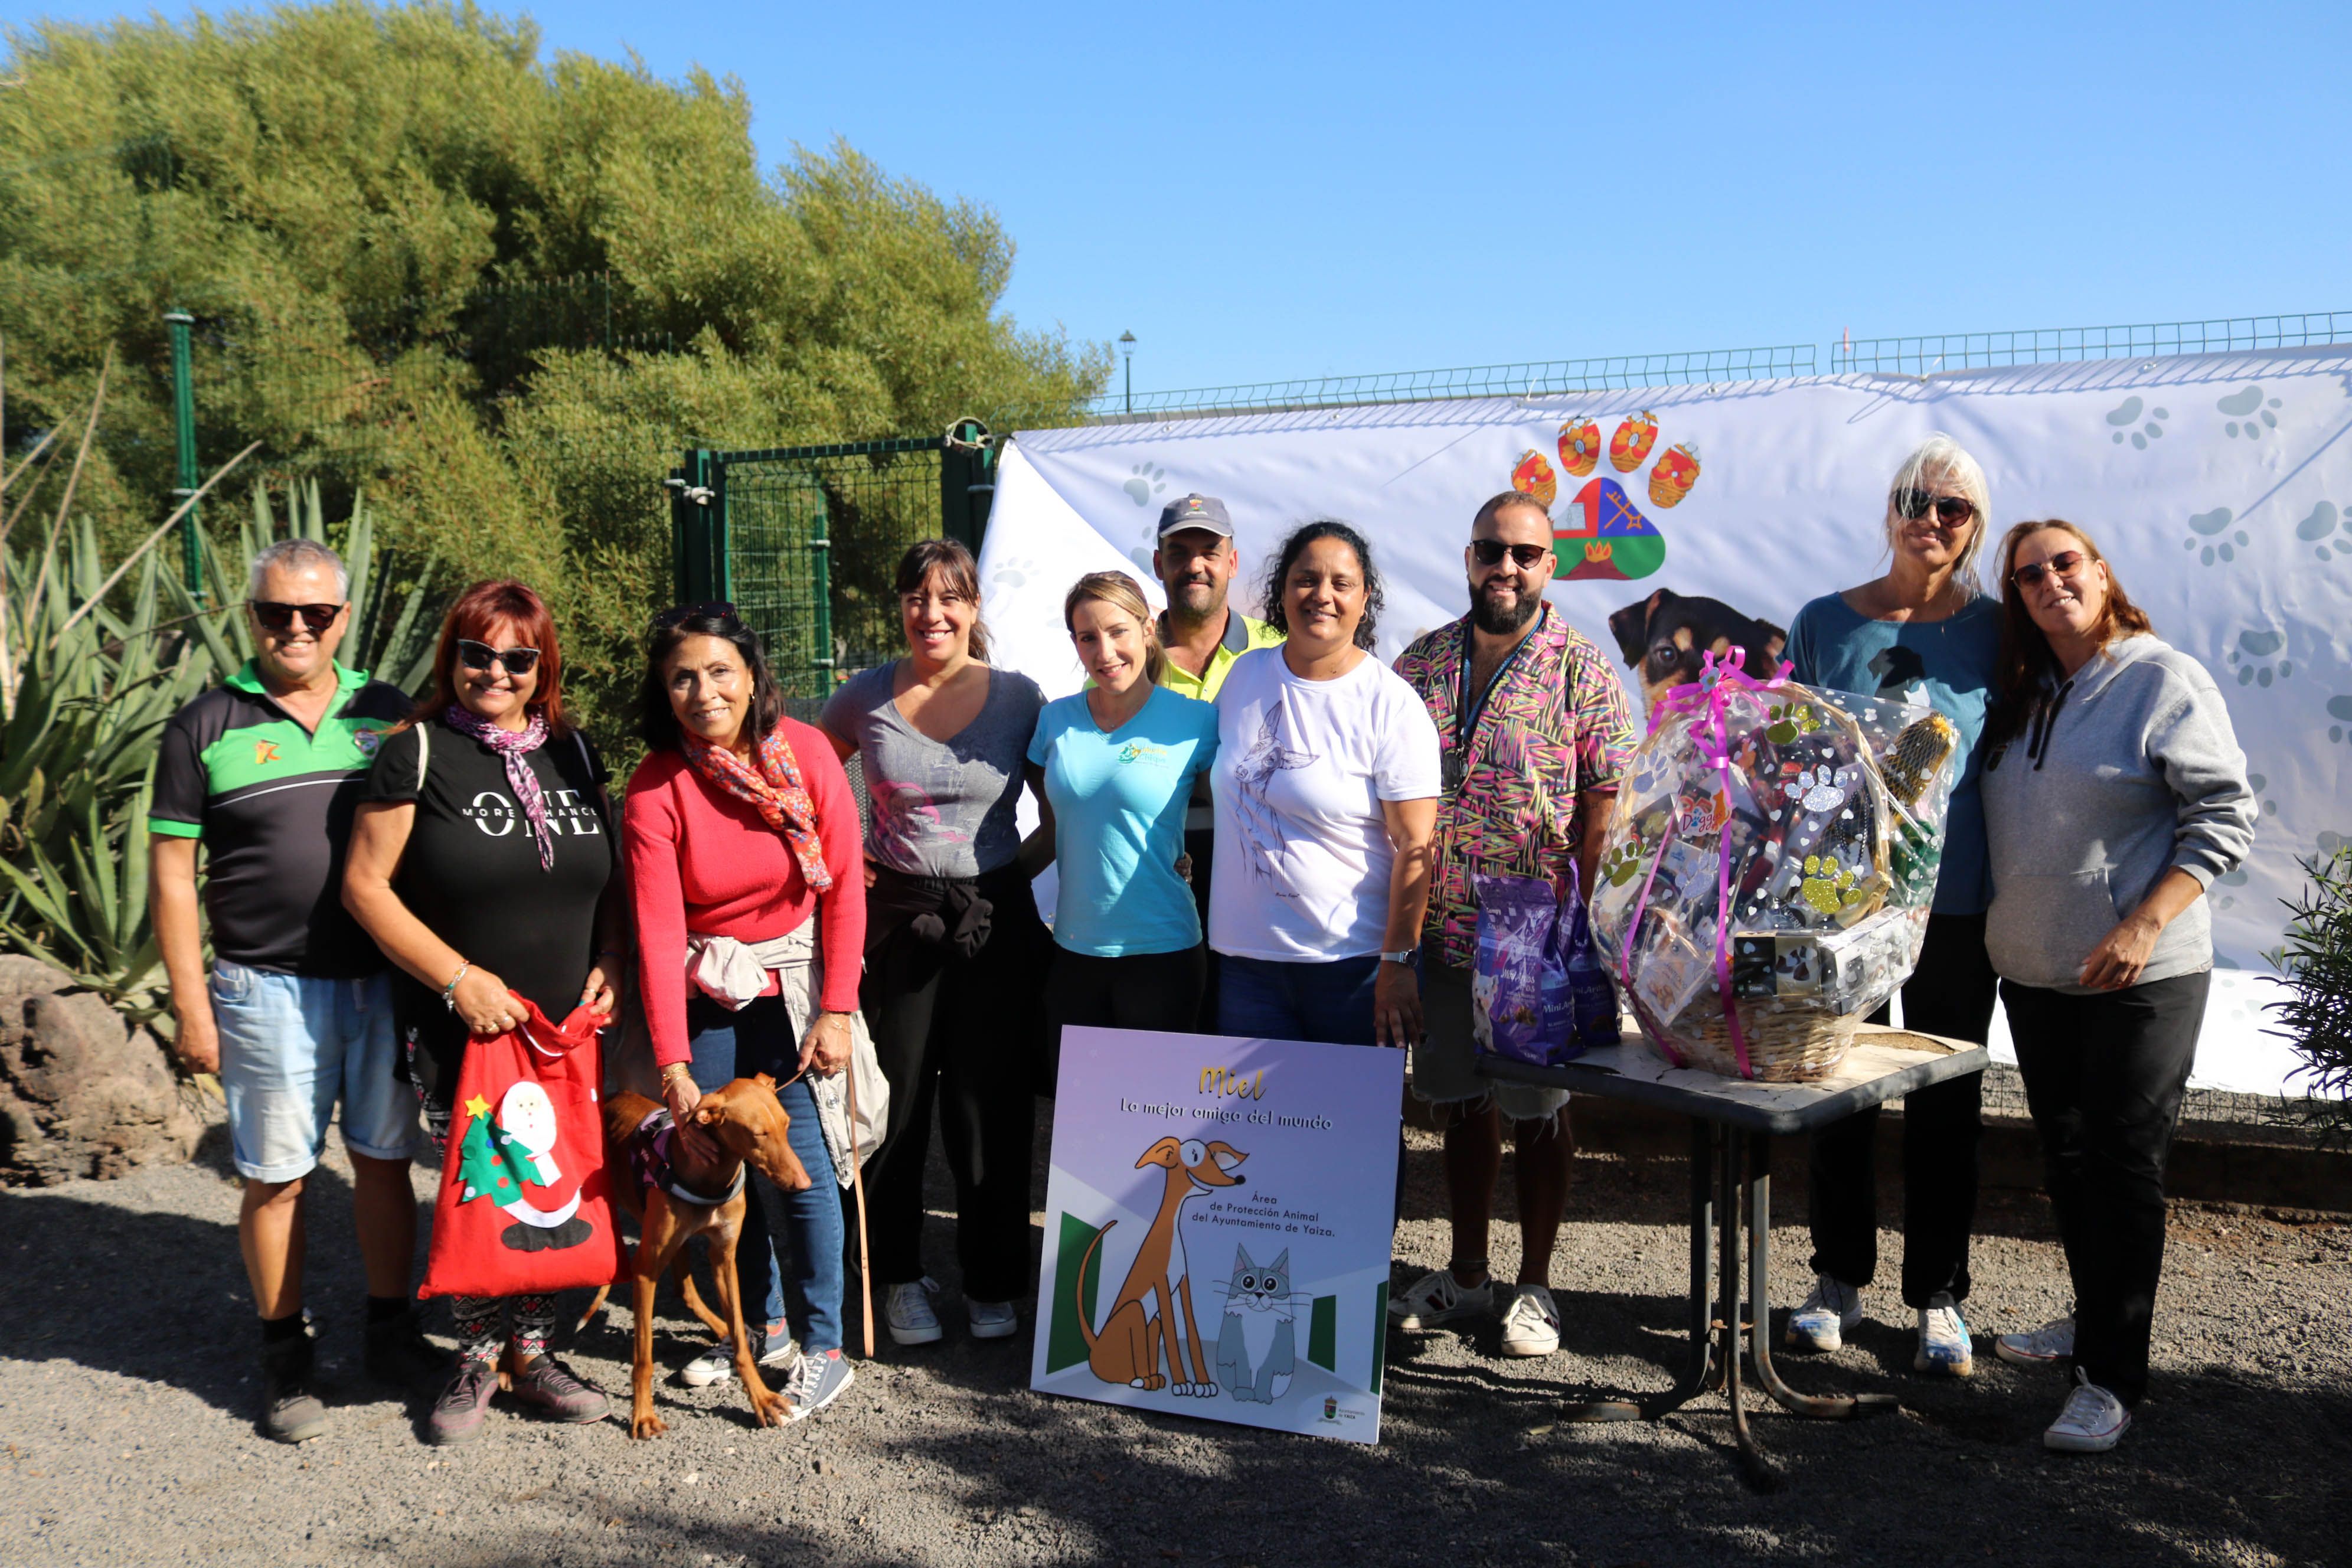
{"x":961,"y":1035}
{"x":1950,"y":993}
{"x":1136,"y":990}
{"x":1201,"y":843}
{"x":2104,"y":1078}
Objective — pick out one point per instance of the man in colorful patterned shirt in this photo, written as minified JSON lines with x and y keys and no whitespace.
{"x":264,"y":771}
{"x":1534,"y":731}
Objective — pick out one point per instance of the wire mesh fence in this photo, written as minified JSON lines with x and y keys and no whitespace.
{"x":1926,"y":355}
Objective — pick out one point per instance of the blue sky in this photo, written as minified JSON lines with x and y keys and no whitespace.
{"x":1261,"y":192}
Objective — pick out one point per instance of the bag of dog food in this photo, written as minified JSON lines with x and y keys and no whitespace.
{"x":1520,"y":1004}
{"x":525,"y":1206}
{"x":1593,"y":1000}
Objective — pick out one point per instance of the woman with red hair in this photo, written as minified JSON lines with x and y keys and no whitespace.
{"x":481,"y":863}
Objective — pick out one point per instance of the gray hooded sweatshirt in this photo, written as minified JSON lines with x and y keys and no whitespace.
{"x":2130,"y":770}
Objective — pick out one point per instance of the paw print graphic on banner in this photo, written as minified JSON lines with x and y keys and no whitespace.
{"x":2215,"y":525}
{"x":1604,"y":534}
{"x":2250,"y":412}
{"x":1013,"y":572}
{"x":2340,"y":710}
{"x":1145,"y":481}
{"x":2250,"y":658}
{"x":2322,"y":521}
{"x":2233,"y":878}
{"x":2258,"y":783}
{"x":2127,"y":414}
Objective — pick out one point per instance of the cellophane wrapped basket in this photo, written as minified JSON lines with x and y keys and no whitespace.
{"x":1767,"y":876}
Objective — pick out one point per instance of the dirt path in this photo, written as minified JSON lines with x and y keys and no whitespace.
{"x":127,"y":1380}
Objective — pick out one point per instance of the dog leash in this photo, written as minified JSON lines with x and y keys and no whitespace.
{"x":857,"y":1185}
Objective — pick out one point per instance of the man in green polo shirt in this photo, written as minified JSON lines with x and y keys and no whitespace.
{"x":264,"y":771}
{"x":1202,"y":636}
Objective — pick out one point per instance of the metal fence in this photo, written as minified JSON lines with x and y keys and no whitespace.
{"x":1926,"y":355}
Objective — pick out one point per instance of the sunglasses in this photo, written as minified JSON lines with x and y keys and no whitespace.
{"x":2065,"y":563}
{"x":1490,"y":552}
{"x":708,"y":610}
{"x":277,"y":617}
{"x":1950,"y":511}
{"x":481,"y":655}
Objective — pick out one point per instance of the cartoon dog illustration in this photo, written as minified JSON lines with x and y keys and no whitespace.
{"x":1134,"y":1342}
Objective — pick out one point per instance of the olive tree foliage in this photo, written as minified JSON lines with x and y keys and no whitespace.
{"x":371,"y":209}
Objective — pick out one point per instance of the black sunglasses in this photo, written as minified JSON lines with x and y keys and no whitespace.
{"x":2065,"y":563}
{"x":708,"y":610}
{"x":1490,"y":552}
{"x":481,"y":655}
{"x":1950,"y":511}
{"x":277,"y":617}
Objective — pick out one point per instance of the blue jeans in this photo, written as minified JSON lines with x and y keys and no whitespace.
{"x":760,"y":1038}
{"x":291,"y":1045}
{"x":1271,"y":999}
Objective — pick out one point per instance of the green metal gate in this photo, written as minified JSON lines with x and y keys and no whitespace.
{"x":805,"y":541}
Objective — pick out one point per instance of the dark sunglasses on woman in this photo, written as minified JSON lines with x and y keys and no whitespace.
{"x":1490,"y":552}
{"x":1950,"y":511}
{"x":708,"y":610}
{"x":2066,"y":563}
{"x":279,"y":618}
{"x":481,"y":655}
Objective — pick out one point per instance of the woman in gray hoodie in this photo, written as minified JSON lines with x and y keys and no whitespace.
{"x":2113,"y":794}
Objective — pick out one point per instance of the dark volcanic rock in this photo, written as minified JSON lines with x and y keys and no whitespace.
{"x":82,"y":1094}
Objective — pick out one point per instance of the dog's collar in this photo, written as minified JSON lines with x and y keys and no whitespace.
{"x":654,"y":1135}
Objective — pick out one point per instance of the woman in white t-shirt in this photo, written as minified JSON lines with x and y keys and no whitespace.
{"x":1326,"y":783}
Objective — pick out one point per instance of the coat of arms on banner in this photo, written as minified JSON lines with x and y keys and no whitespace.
{"x":1219,"y":1215}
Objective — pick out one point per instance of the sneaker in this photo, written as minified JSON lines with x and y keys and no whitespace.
{"x":2048,"y":1345}
{"x":1436,"y":1297}
{"x":818,"y":1380}
{"x":770,"y":1347}
{"x":457,"y":1415}
{"x":559,"y":1396}
{"x":2092,"y":1421}
{"x":1531,"y":1323}
{"x":290,"y":1411}
{"x":398,"y":1355}
{"x":906,"y":1309}
{"x":990,"y":1320}
{"x":1821,"y":1323}
{"x":1943,"y":1339}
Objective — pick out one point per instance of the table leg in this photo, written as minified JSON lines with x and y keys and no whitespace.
{"x":1732,"y":1152}
{"x":1703,"y":1371}
{"x":1823,"y":1407}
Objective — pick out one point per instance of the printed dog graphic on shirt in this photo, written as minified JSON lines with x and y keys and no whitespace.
{"x":1142,"y":1332}
{"x":1262,"y":839}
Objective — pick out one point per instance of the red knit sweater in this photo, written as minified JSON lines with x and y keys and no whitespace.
{"x":702,"y":860}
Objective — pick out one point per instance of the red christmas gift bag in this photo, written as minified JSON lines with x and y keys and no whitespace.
{"x":525,"y":1206}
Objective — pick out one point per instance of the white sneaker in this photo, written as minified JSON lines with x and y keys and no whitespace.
{"x":1944,"y":1343}
{"x":1821,"y":1323}
{"x":2092,"y":1421}
{"x":990,"y":1320}
{"x":717,"y":1364}
{"x":1531,"y":1323}
{"x":906,"y":1309}
{"x":1436,"y":1298}
{"x":2048,"y":1345}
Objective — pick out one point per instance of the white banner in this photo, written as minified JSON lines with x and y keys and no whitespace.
{"x":2219,"y":486}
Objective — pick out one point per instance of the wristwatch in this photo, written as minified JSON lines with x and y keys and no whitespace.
{"x":1404,"y":957}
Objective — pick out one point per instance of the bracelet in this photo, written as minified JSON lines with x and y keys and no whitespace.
{"x":450,"y":992}
{"x":673,"y":1070}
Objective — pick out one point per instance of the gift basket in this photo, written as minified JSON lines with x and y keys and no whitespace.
{"x":1768,"y":873}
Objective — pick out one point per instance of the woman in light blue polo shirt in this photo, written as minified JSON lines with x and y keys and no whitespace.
{"x":1118,"y":760}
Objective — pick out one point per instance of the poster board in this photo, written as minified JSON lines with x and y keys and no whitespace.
{"x":1243,"y":1190}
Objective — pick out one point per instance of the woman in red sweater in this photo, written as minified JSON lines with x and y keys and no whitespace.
{"x":743,"y":845}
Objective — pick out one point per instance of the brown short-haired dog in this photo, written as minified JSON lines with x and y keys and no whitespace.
{"x":730,"y":1127}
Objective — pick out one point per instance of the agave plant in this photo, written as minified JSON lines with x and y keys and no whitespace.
{"x":97,"y":675}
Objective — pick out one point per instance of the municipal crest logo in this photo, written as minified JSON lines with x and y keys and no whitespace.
{"x":367,"y":740}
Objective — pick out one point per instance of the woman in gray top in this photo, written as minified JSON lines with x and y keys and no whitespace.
{"x":2113,"y":794}
{"x":955,"y":952}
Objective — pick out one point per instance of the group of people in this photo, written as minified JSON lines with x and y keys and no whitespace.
{"x":1259,"y":828}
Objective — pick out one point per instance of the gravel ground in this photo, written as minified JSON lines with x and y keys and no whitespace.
{"x":127,"y":1381}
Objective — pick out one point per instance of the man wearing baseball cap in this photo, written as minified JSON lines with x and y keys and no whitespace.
{"x":1202,"y":636}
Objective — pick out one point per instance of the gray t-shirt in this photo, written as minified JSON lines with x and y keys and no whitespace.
{"x":941,"y":808}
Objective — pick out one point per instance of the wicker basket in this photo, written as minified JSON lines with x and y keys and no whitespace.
{"x":1787,"y":1042}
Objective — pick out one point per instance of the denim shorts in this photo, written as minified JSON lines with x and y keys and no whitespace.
{"x":1446,"y":1063}
{"x":291,"y":1045}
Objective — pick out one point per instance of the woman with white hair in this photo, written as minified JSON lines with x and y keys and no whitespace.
{"x":1923,"y":632}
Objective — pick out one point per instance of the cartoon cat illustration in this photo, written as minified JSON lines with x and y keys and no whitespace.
{"x":1257,"y":1348}
{"x":1260,"y":823}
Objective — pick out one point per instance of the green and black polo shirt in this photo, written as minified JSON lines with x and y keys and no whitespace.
{"x":273,"y":804}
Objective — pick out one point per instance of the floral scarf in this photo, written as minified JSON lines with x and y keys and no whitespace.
{"x":775,"y":790}
{"x":514,"y":748}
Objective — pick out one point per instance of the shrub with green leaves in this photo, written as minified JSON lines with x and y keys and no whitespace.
{"x":2315,"y":1015}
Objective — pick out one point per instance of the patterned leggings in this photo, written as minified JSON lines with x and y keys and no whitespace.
{"x":479,"y":1318}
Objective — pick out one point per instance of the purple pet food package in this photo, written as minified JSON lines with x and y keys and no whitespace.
{"x":1593,"y":1000}
{"x":1518,"y":987}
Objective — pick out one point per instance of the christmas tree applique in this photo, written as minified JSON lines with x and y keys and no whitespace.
{"x":499,"y":1154}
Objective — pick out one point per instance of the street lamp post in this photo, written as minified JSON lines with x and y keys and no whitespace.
{"x":1127,"y":354}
